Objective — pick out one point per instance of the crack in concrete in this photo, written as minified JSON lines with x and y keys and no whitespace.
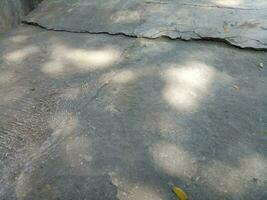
{"x":225,"y":40}
{"x":77,"y":31}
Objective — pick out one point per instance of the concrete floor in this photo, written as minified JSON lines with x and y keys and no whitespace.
{"x":100,"y":116}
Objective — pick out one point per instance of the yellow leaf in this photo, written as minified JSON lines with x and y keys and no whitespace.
{"x":226,"y":29}
{"x":180,"y":193}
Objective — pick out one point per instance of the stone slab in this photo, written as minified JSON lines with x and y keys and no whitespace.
{"x":240,"y":23}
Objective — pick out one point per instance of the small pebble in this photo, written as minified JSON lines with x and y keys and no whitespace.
{"x":236,"y":87}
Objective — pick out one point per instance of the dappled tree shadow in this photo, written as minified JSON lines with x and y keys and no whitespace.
{"x":147,"y":115}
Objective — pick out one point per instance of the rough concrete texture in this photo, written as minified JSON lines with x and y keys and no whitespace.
{"x":11,"y":12}
{"x":241,"y":23}
{"x":95,"y":116}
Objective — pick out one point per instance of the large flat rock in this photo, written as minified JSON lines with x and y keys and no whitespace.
{"x":94,"y":116}
{"x":240,"y":23}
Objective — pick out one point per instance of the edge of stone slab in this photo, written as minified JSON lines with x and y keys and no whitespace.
{"x":199,"y":38}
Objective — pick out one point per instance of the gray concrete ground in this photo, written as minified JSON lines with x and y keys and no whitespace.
{"x":100,"y":116}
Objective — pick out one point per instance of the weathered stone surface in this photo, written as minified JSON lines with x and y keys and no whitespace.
{"x":11,"y":12}
{"x":241,"y":23}
{"x":87,"y":116}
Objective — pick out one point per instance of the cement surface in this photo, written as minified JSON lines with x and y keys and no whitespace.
{"x":95,"y":116}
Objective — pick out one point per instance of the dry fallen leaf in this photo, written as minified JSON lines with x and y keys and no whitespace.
{"x":225,"y":29}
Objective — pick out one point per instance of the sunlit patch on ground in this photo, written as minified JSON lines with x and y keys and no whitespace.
{"x":221,"y":177}
{"x":236,"y":179}
{"x":259,"y":4}
{"x":124,"y":76}
{"x":21,"y":54}
{"x":128,"y":190}
{"x":66,"y":60}
{"x":126,"y":16}
{"x":173,"y":160}
{"x":229,"y":2}
{"x":187,"y":85}
{"x":19,"y":38}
